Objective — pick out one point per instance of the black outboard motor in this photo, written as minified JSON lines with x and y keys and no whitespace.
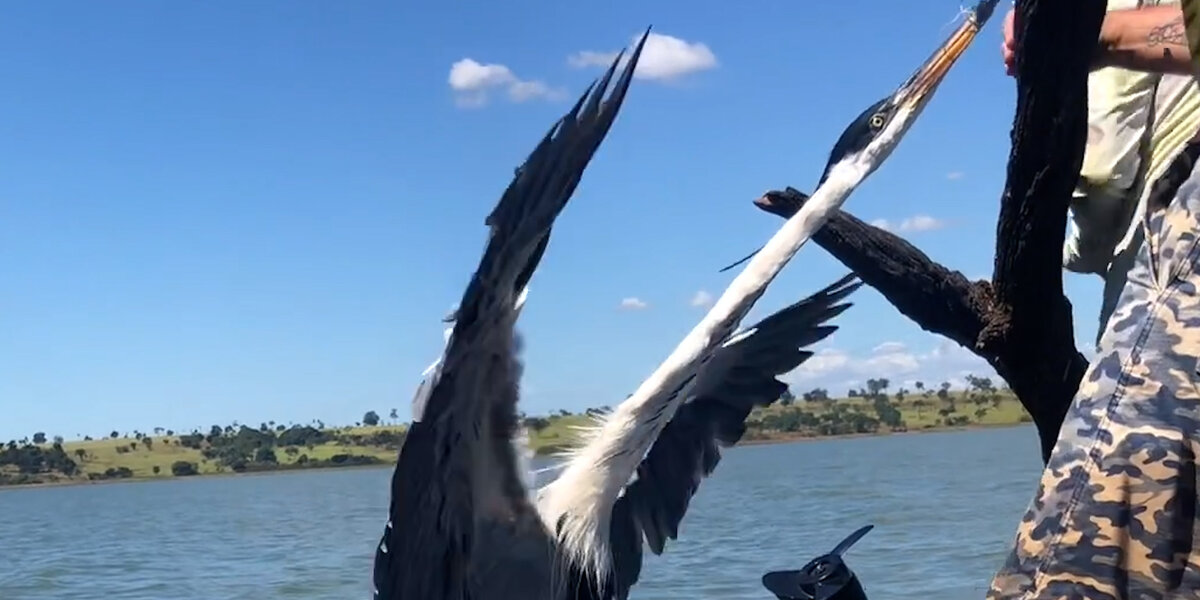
{"x":825,"y":577}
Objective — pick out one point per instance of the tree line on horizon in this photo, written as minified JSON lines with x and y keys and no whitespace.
{"x":240,"y":448}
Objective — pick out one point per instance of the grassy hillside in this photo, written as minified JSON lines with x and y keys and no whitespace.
{"x":243,"y":449}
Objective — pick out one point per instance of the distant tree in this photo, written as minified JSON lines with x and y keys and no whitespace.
{"x":888,"y":414}
{"x":158,"y":431}
{"x":787,"y":397}
{"x":58,"y":439}
{"x":264,"y":427}
{"x":878,"y":387}
{"x":982,"y":384}
{"x":87,"y":438}
{"x":183,"y":468}
{"x":39,"y":438}
{"x":920,"y":385}
{"x":216,"y":431}
{"x":281,"y":427}
{"x":816,"y":395}
{"x":117,"y":473}
{"x":265,"y":455}
{"x":851,"y":393}
{"x":133,"y":445}
{"x":562,"y":412}
{"x":920,"y":404}
{"x":157,"y":469}
{"x":148,"y":442}
{"x":393,"y":416}
{"x":536,"y":423}
{"x":943,"y":392}
{"x":170,"y":432}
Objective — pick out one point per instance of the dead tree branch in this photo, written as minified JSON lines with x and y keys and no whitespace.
{"x":1020,"y":322}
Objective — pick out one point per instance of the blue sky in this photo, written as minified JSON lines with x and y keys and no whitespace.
{"x":260,"y":211}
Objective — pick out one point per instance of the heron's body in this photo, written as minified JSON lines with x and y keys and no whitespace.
{"x":462,"y":525}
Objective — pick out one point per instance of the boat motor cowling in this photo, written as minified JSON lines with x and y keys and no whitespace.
{"x":826,"y":577}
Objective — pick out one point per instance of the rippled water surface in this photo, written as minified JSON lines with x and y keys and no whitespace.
{"x":945,"y":506}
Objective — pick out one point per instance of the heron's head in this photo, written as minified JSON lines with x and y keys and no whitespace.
{"x":874,"y":133}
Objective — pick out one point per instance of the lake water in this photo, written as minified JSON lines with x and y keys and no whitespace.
{"x":945,"y":506}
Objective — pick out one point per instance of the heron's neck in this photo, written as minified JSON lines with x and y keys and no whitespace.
{"x":619,"y":444}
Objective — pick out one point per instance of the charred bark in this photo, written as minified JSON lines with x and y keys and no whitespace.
{"x":1020,"y":322}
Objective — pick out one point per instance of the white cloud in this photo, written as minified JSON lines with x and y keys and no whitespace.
{"x":953,"y":175}
{"x":702,"y":298}
{"x":921,"y":223}
{"x":888,"y":348}
{"x":916,"y":223}
{"x":838,"y":370}
{"x":473,"y":84}
{"x":664,"y":58}
{"x":633,"y":303}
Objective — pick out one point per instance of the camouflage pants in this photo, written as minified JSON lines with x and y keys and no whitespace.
{"x":1115,"y":515}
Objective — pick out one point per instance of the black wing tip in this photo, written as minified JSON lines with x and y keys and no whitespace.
{"x":849,"y":280}
{"x":564,"y":152}
{"x":824,"y":304}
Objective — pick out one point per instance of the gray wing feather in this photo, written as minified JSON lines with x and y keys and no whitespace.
{"x":428,"y":542}
{"x":740,"y":376}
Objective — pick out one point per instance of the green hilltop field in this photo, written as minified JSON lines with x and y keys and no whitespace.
{"x":270,"y":447}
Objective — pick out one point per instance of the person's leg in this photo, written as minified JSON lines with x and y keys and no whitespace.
{"x":1114,"y":281}
{"x":1115,"y":515}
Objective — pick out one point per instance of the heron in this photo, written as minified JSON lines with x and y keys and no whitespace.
{"x":581,"y":506}
{"x":460,"y":526}
{"x":475,"y":531}
{"x":461,"y":523}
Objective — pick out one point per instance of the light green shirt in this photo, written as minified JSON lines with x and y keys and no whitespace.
{"x":1137,"y":123}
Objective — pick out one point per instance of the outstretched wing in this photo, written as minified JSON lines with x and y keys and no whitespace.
{"x":431,"y":373}
{"x":439,"y":486}
{"x":741,"y":376}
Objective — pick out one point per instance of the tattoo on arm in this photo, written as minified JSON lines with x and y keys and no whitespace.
{"x":1171,"y":33}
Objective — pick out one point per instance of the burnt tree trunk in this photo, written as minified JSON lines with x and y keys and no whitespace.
{"x":1021,"y":321}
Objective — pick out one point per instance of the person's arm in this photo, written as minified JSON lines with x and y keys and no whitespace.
{"x":1145,"y":39}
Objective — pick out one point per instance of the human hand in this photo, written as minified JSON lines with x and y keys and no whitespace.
{"x":1008,"y":47}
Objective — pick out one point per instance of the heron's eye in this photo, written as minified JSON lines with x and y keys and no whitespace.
{"x":877,"y":120}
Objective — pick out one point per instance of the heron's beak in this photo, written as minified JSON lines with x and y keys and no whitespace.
{"x":919,"y":88}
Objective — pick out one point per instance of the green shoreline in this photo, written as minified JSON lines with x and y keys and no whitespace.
{"x":797,"y":439}
{"x":551,"y":435}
